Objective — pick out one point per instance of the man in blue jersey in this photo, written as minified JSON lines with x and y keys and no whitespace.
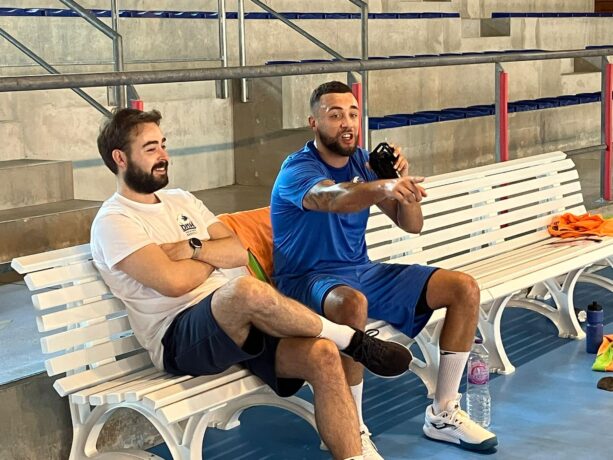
{"x":319,"y":209}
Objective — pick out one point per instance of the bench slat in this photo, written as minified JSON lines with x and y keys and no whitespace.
{"x":444,"y":237}
{"x":82,"y":335}
{"x":118,"y":395}
{"x":450,"y":249}
{"x":82,"y":397}
{"x":58,"y":257}
{"x":538,"y":190}
{"x":496,"y":168}
{"x":555,"y":256}
{"x":579,"y":259}
{"x":91,"y":355}
{"x":71,"y":383}
{"x":448,"y":191}
{"x":87,"y":312}
{"x":463,"y":215}
{"x":187,"y":407}
{"x":61,"y":275}
{"x":189,"y":388}
{"x":70,"y":294}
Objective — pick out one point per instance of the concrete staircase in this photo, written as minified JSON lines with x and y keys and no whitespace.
{"x":38,"y":211}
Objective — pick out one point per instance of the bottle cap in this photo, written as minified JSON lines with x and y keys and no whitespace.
{"x":594,"y":306}
{"x":478,"y":340}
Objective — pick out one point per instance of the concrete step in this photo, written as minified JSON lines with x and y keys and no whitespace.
{"x":34,"y":182}
{"x":34,"y":229}
{"x":486,"y":44}
{"x":581,"y":82}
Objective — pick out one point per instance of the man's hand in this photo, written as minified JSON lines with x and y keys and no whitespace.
{"x":402,"y":164}
{"x":177,"y":251}
{"x":405,"y":190}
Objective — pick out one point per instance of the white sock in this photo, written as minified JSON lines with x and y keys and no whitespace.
{"x":356,"y":392}
{"x":451,"y":368}
{"x":357,"y":457}
{"x":340,"y":334}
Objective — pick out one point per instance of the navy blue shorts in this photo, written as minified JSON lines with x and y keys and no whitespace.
{"x":194,"y":344}
{"x":396,"y":293}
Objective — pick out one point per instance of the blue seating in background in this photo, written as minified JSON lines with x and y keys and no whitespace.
{"x":551,"y":15}
{"x":457,"y":113}
{"x":54,"y":12}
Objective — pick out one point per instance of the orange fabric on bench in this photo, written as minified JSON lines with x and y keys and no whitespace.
{"x":571,"y":225}
{"x":254,"y":231}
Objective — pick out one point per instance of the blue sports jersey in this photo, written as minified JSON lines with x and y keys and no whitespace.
{"x":306,"y":240}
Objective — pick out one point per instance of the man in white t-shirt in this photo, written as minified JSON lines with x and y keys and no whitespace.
{"x":160,"y":252}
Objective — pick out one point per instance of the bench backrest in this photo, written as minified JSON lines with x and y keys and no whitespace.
{"x":89,"y":334}
{"x":482,"y":212}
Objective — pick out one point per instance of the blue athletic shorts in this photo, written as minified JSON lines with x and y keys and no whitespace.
{"x":194,"y":344}
{"x":396,"y":293}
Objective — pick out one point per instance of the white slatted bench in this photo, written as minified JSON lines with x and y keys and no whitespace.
{"x":491,"y":222}
{"x":107,"y":369}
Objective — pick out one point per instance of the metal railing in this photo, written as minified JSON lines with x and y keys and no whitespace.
{"x":350,"y":77}
{"x":52,"y":70}
{"x":62,"y":81}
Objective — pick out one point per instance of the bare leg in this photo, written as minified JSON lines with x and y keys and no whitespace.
{"x":318,"y":362}
{"x":345,"y":305}
{"x":245,"y":301}
{"x":460,"y":293}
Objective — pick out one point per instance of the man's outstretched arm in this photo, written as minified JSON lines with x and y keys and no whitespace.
{"x":169,"y":269}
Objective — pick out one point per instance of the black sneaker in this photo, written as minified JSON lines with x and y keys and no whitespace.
{"x":385,"y":359}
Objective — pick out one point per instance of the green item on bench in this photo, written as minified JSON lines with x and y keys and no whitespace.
{"x":257,"y":269}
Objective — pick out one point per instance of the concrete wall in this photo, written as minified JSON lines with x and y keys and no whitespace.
{"x":35,"y":424}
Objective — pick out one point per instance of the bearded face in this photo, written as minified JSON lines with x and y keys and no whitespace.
{"x":146,"y":182}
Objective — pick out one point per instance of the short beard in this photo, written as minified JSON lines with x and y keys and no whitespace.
{"x":333,"y":144}
{"x":143,"y":182}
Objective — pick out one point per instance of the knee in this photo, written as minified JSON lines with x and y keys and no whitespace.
{"x":348,"y":307}
{"x":324,"y":360}
{"x":468,"y":293}
{"x":250,"y":292}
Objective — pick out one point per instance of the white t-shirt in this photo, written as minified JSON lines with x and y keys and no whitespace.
{"x":123,"y":226}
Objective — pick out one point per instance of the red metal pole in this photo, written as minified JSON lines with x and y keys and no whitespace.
{"x":608,"y":134}
{"x":356,"y":89}
{"x":504,"y":116}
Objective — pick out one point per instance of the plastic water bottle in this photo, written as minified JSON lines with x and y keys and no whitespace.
{"x":478,"y":401}
{"x":593,"y":330}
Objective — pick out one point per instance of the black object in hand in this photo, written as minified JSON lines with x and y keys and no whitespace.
{"x":382,"y":161}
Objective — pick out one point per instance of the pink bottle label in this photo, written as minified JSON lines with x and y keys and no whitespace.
{"x":478,"y":373}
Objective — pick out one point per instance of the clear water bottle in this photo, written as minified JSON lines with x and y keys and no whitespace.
{"x":478,"y":401}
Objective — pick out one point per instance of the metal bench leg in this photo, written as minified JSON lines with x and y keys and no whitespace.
{"x":227,"y":417}
{"x":589,"y":276}
{"x":490,"y":315}
{"x":87,"y":429}
{"x":563,"y":314}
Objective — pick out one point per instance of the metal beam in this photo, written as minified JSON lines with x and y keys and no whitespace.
{"x":144,"y":77}
{"x":52,"y":70}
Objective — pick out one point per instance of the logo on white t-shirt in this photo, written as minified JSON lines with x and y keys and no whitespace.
{"x":186,"y":224}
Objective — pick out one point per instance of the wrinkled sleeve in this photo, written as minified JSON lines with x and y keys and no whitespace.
{"x":117,"y":236}
{"x":297,"y":178}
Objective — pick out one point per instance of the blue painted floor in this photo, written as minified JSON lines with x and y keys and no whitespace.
{"x":549,"y":408}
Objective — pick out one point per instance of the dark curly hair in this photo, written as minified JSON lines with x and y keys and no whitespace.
{"x":117,"y":132}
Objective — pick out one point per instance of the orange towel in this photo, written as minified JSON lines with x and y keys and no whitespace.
{"x":254,"y":231}
{"x":571,"y":225}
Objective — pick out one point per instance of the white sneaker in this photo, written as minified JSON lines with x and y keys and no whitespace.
{"x":369,"y":450}
{"x":453,"y":425}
